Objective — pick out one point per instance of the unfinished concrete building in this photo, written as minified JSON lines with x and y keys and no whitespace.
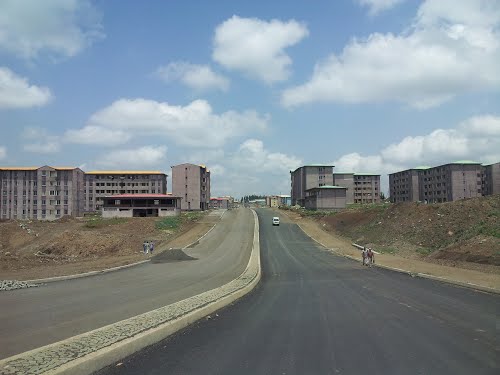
{"x":326,"y":198}
{"x":308,"y":177}
{"x":491,"y":179}
{"x":191,"y":182}
{"x":445,"y":183}
{"x":44,"y":193}
{"x":100,"y":184}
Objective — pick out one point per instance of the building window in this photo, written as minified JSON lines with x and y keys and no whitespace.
{"x":65,"y":211}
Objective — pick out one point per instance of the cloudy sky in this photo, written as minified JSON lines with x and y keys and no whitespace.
{"x":252,"y":89}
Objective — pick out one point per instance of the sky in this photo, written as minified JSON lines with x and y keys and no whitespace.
{"x":251,"y":89}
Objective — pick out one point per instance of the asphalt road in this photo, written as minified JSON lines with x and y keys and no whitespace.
{"x":316,"y":313}
{"x":30,"y":318}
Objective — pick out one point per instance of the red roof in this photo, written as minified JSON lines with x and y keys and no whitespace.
{"x":123,"y":196}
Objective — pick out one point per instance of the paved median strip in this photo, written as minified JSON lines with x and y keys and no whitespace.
{"x":88,"y":352}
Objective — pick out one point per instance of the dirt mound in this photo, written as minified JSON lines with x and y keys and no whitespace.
{"x":461,"y":231}
{"x":171,"y":255}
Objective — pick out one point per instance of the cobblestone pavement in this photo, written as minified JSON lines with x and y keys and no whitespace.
{"x":14,"y":284}
{"x":50,"y":357}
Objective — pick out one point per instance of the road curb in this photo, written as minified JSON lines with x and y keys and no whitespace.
{"x":409,"y":273}
{"x":100,"y":272}
{"x":91,"y":351}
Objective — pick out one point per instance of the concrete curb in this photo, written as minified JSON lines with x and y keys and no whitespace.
{"x":112,"y":269}
{"x":409,"y":273}
{"x":86,"y":274}
{"x":91,"y":351}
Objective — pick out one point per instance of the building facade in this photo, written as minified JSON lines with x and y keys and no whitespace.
{"x":220,"y":203}
{"x":445,"y":183}
{"x":491,"y":179}
{"x":41,"y":193}
{"x":141,"y":205}
{"x":192,"y":183}
{"x":100,"y":184}
{"x":404,"y":185}
{"x":308,"y":177}
{"x":366,"y":188}
{"x":346,"y":180}
{"x":326,"y":198}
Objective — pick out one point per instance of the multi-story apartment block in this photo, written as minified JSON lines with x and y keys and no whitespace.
{"x":445,"y":183}
{"x":361,"y":187}
{"x":491,"y":179}
{"x":403,"y":186}
{"x":308,"y":177}
{"x":100,"y":184}
{"x":366,"y":188}
{"x":192,"y":183}
{"x":45,"y":193}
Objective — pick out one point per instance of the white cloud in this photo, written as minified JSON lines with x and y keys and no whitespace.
{"x":57,"y":27}
{"x":252,"y":168}
{"x":143,"y":157}
{"x":16,"y":92}
{"x":256,"y":47}
{"x":477,"y":138}
{"x":450,"y":49}
{"x":193,"y":125}
{"x":377,"y":6}
{"x":40,"y":142}
{"x":197,"y":77}
{"x":97,"y":135}
{"x":3,"y":152}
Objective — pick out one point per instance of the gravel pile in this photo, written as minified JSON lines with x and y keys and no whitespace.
{"x":14,"y":284}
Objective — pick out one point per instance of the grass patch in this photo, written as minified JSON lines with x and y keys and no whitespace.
{"x":98,"y":222}
{"x":386,"y":250}
{"x":424,"y":251}
{"x":169,"y":222}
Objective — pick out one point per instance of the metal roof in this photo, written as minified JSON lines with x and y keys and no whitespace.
{"x":36,"y":168}
{"x":140,"y":196}
{"x":124,"y":172}
{"x":327,"y":187}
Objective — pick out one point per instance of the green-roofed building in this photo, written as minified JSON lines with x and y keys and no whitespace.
{"x":308,"y":177}
{"x":361,"y":187}
{"x":444,"y":183}
{"x":325,"y":198}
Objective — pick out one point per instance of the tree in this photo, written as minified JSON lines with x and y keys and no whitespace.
{"x":382,"y":196}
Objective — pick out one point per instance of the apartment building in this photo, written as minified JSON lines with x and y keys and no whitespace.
{"x":44,"y":193}
{"x":491,"y":179}
{"x":361,"y":187}
{"x":308,"y":177}
{"x":444,"y":183}
{"x":326,"y":198}
{"x":191,"y":182}
{"x":404,"y":186}
{"x":100,"y":184}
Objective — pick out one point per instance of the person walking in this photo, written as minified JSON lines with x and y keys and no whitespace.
{"x":144,"y":247}
{"x":151,"y":247}
{"x":364,"y":255}
{"x":370,"y":257}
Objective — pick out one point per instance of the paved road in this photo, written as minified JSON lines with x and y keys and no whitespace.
{"x":316,"y":313}
{"x":33,"y":317}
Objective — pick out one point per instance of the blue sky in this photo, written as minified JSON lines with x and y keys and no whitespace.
{"x":251,"y":89}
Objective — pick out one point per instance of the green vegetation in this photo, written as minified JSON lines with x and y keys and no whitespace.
{"x":99,"y":222}
{"x":386,"y":250}
{"x":169,"y":222}
{"x":424,"y":250}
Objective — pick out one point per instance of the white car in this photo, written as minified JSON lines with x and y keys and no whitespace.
{"x":276,"y":220}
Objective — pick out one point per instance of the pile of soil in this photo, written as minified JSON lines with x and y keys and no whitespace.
{"x":171,"y":255}
{"x":465,"y":231}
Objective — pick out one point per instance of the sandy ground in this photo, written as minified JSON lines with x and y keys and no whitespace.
{"x":344,"y":247}
{"x":188,"y":235}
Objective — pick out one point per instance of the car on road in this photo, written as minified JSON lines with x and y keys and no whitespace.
{"x":276,"y":220}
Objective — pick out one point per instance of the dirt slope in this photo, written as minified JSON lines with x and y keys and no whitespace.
{"x":33,"y":249}
{"x":464,"y":233}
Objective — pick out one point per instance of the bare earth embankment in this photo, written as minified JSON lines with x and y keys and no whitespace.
{"x":37,"y":249}
{"x":456,"y":240}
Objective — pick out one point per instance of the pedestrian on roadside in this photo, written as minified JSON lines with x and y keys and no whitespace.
{"x":364,"y":255}
{"x":147,"y":247}
{"x":371,"y":257}
{"x":151,"y":247}
{"x":144,"y":247}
